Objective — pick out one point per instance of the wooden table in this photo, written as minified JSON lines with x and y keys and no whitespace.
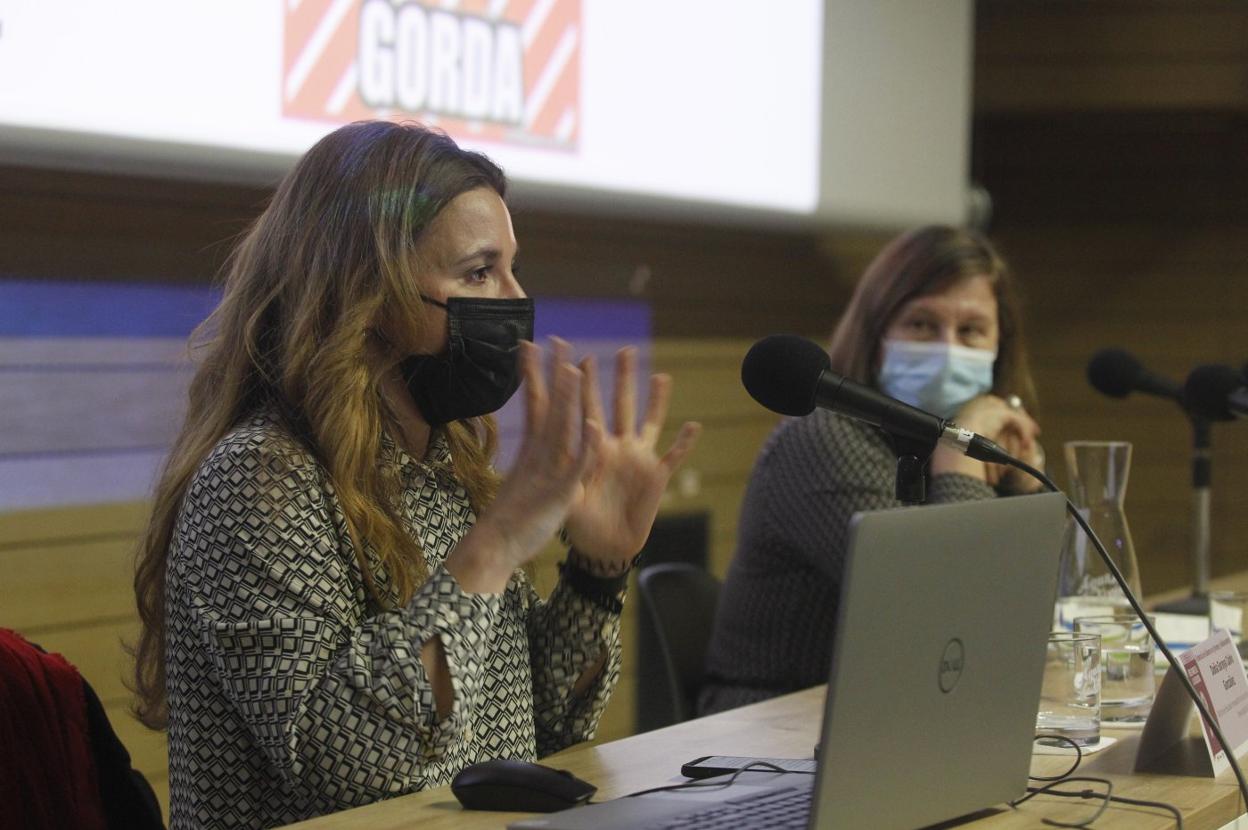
{"x":789,"y":727}
{"x":1237,"y":581}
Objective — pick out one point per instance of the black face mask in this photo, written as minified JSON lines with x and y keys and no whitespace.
{"x":479,"y":371}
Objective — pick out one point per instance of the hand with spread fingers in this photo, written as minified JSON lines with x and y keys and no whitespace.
{"x":558,"y":446}
{"x":602,"y":487}
{"x":619,"y":497}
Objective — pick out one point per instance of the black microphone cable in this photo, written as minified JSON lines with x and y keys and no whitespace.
{"x":1048,"y":783}
{"x":1139,"y":611}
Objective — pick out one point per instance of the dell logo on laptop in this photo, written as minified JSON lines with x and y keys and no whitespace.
{"x":951,"y":665}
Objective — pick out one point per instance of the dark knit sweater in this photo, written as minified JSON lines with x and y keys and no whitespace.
{"x":774,"y":625}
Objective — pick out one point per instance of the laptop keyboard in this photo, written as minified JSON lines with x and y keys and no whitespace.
{"x":778,"y":809}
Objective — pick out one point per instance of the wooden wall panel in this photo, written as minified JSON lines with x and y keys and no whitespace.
{"x":1086,"y":307}
{"x":36,"y":527}
{"x":1162,"y":169}
{"x":1111,"y":137}
{"x":1108,"y":55}
{"x":87,"y":226}
{"x":1160,"y":31}
{"x":1096,"y":87}
{"x":701,"y":280}
{"x":50,"y":586}
{"x":97,"y":650}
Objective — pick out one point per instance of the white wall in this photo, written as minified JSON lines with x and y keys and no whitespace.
{"x":896,"y":111}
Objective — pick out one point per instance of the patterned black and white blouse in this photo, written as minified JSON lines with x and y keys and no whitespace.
{"x":293,"y":694}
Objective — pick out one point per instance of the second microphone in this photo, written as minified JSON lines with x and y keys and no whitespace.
{"x":792,"y":375}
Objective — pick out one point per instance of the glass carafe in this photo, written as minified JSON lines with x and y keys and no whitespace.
{"x":1098,"y":483}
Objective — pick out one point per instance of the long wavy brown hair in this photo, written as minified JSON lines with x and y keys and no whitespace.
{"x":923,"y":261}
{"x":327,"y":266}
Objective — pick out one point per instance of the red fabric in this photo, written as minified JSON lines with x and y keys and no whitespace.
{"x":47,"y":776}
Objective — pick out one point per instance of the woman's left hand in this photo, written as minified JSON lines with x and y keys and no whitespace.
{"x":611,"y":517}
{"x":1026,"y":449}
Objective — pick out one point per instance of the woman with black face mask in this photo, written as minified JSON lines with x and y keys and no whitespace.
{"x":332,"y":585}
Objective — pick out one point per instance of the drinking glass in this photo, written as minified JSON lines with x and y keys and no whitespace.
{"x":1127,"y":666}
{"x":1070,"y":696}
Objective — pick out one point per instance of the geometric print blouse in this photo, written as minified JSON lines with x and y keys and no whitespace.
{"x":293,"y":694}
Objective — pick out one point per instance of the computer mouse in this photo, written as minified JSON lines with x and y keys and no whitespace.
{"x":519,"y":787}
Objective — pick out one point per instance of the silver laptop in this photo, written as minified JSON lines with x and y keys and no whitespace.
{"x":935,"y":682}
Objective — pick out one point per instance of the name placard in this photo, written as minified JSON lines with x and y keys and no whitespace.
{"x":1217,"y":673}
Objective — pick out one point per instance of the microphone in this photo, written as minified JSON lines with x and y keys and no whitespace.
{"x":792,"y":375}
{"x":1117,"y":373}
{"x":1217,"y":393}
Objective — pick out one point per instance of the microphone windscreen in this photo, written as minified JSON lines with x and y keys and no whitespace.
{"x":1114,"y":372}
{"x":782,"y":373}
{"x":1207,"y":390}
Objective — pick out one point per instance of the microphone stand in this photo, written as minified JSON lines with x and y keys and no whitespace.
{"x":1202,"y":499}
{"x":910,"y":485}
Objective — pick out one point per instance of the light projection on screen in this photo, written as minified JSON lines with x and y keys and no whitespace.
{"x":493,"y":70}
{"x":621,"y":106}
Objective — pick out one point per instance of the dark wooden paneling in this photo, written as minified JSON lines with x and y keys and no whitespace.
{"x":1111,"y":136}
{"x":1111,"y":55}
{"x":1173,"y":296}
{"x":1161,"y":168}
{"x":701,"y":280}
{"x":88,"y":226}
{"x":1108,"y":30}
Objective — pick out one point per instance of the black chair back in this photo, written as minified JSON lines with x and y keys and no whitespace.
{"x":681,"y":599}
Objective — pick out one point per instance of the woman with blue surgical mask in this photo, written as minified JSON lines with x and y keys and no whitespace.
{"x":940,"y":353}
{"x":934,"y":322}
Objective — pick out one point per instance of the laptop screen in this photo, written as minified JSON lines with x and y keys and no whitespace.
{"x":937,"y":660}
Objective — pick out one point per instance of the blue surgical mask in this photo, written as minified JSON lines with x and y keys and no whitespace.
{"x":937,"y":377}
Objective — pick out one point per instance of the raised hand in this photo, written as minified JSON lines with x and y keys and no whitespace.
{"x":558,"y":448}
{"x":611,"y":516}
{"x":604,"y":488}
